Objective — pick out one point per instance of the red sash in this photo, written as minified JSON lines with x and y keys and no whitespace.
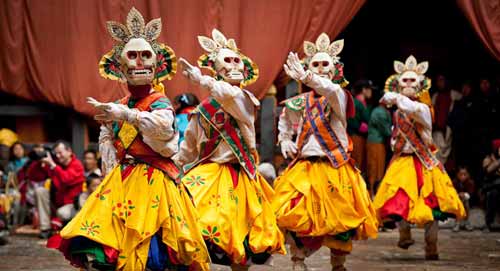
{"x":316,"y":122}
{"x":223,"y":127}
{"x":406,"y":130}
{"x":137,"y":148}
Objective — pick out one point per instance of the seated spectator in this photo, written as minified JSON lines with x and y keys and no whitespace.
{"x":68,"y":211}
{"x":491,"y":186}
{"x":464,"y":185}
{"x":379,"y":132}
{"x":91,"y":163}
{"x":268,"y":172}
{"x":17,"y":159}
{"x":33,"y":174}
{"x":184,"y":104}
{"x":67,"y":177}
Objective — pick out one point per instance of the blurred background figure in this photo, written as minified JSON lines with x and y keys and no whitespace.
{"x":184,"y":104}
{"x":357,"y":127}
{"x":464,"y":185}
{"x":443,"y":101}
{"x":461,"y":121}
{"x":379,"y":134}
{"x":267,"y":171}
{"x":17,"y":160}
{"x":91,"y":163}
{"x":491,"y":184}
{"x":92,"y":181}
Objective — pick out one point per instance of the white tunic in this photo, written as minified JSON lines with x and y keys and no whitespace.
{"x":290,"y":122}
{"x":417,"y":111}
{"x":157,"y":131}
{"x":238,"y":103}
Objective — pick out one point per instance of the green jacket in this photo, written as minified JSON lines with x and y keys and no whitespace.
{"x":379,"y":126}
{"x":362,"y":115}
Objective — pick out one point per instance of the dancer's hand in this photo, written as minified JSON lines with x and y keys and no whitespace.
{"x":288,"y":148}
{"x":294,"y":68}
{"x":109,"y":111}
{"x":389,"y":98}
{"x":191,"y":72}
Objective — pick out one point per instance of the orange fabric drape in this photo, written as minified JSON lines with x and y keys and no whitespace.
{"x":484,"y":16}
{"x":50,"y":48}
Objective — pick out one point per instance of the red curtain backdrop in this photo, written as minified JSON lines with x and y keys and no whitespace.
{"x":484,"y":16}
{"x":50,"y":48}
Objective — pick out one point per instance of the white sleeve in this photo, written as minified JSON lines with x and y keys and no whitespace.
{"x":106,"y":148}
{"x":233,"y":99}
{"x":333,"y":92}
{"x":156,"y":125}
{"x":420,"y":111}
{"x":287,"y":124}
{"x":158,"y":132}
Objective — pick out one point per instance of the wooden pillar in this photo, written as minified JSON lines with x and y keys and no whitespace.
{"x":268,"y":125}
{"x":78,"y":134}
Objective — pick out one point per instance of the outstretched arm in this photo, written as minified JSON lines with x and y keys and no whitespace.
{"x":325,"y":87}
{"x":420,"y":111}
{"x":156,"y":127}
{"x":233,"y":99}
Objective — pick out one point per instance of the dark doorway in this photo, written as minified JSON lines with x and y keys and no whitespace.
{"x":436,"y":31}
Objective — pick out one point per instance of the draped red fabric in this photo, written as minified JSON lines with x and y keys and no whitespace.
{"x":51,"y":48}
{"x":484,"y":17}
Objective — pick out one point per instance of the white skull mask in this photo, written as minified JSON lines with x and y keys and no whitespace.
{"x":411,"y":76}
{"x":321,"y":56}
{"x":322,"y":64}
{"x":138,"y":62}
{"x":229,"y":66}
{"x":409,"y":83}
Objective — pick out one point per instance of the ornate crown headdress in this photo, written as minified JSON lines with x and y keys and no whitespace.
{"x":213,"y":46}
{"x":322,"y":44}
{"x":166,"y":62}
{"x":392,"y":84}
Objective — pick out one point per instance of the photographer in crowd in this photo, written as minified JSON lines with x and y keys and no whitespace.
{"x":67,"y":177}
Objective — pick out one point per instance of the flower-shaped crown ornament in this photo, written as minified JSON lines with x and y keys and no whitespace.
{"x":137,"y":47}
{"x":225,"y":61}
{"x":322,"y":58}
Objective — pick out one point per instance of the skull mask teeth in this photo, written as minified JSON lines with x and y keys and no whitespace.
{"x":134,"y":50}
{"x":321,"y":56}
{"x":410,"y":76}
{"x":226,"y":60}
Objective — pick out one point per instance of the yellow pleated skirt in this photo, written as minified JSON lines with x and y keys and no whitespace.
{"x":235,"y":211}
{"x":126,"y":211}
{"x":315,"y":199}
{"x":401,"y":181}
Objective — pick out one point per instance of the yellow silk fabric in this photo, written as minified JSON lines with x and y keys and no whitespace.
{"x":335,"y":200}
{"x":125,"y":214}
{"x":228,"y":214}
{"x":401,"y":174}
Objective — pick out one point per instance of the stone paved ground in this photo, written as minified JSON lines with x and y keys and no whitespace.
{"x":459,"y":251}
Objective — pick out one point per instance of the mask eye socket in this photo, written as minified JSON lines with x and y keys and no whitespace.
{"x":132,"y":55}
{"x":227,"y":59}
{"x":325,"y":63}
{"x":409,"y":80}
{"x":315,"y":64}
{"x":236,"y":60}
{"x":146,"y":54}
